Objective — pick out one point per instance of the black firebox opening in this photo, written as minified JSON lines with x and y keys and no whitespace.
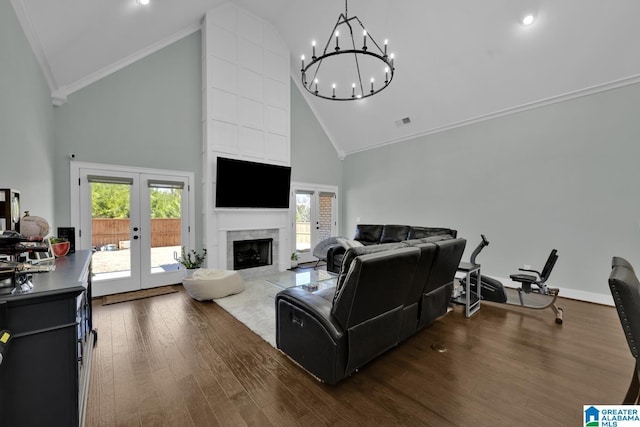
{"x":252,"y":253}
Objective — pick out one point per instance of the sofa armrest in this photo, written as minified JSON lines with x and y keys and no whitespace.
{"x":306,"y":332}
{"x":331,"y":253}
{"x":314,"y":306}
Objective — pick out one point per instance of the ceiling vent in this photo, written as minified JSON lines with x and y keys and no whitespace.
{"x":403,"y":121}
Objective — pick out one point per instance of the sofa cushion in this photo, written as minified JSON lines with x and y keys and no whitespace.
{"x":413,"y":242}
{"x":394,"y":233}
{"x":348,"y":243}
{"x":438,"y":238}
{"x":422,"y":232}
{"x":368,"y":233}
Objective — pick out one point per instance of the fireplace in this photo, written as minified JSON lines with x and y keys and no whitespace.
{"x":252,"y":253}
{"x":231,"y":237}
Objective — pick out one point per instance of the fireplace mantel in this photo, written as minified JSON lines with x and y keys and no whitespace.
{"x":245,"y":224}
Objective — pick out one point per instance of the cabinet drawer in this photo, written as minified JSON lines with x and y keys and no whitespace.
{"x":43,"y":314}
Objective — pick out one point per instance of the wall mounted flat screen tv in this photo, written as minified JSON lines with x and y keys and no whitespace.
{"x":244,"y":184}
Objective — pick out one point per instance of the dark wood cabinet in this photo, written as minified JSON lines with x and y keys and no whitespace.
{"x":45,"y":372}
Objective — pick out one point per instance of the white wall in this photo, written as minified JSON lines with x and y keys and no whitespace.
{"x":246,"y":115}
{"x":26,"y":121}
{"x":563,"y":176}
{"x":314,"y":159}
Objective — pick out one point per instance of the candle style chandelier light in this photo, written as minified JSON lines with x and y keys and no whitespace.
{"x":348,"y":63}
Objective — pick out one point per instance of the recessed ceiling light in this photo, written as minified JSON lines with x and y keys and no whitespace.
{"x":528,"y":19}
{"x":143,"y":2}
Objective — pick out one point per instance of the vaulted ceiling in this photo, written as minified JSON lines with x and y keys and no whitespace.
{"x":457,"y":62}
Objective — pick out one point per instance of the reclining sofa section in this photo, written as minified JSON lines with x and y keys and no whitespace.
{"x":375,"y":234}
{"x":385,"y":294}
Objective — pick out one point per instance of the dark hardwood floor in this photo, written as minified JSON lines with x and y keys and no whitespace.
{"x":173,"y":361}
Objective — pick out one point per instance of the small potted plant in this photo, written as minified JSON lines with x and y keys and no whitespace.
{"x":294,"y":260}
{"x":191,"y":260}
{"x":59,"y":246}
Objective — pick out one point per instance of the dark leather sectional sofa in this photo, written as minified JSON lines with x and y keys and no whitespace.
{"x":385,"y":293}
{"x":375,"y":234}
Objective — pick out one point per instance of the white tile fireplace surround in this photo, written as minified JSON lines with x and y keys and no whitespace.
{"x":249,"y":224}
{"x":242,"y":235}
{"x":246,"y":116}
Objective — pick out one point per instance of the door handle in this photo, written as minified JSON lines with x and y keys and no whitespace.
{"x":135,"y":237}
{"x":135,"y":228}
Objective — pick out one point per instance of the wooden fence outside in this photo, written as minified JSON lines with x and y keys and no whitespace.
{"x":303,"y":235}
{"x":110,"y":231}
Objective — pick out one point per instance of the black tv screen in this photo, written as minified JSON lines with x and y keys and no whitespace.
{"x":244,"y":184}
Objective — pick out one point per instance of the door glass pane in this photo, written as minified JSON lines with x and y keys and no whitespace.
{"x":110,"y":230}
{"x":325,"y":216}
{"x":303,"y":222}
{"x":166,"y":226}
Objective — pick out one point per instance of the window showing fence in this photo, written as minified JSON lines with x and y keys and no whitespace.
{"x":116,"y":231}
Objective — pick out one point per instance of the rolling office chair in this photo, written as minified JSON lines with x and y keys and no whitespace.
{"x":625,"y":289}
{"x":540,"y":278}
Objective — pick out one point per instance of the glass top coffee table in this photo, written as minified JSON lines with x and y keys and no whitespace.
{"x":309,"y":280}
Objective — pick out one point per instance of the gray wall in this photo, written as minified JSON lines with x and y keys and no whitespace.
{"x":562,"y":176}
{"x":146,"y":115}
{"x":313,"y":157}
{"x":26,"y":120}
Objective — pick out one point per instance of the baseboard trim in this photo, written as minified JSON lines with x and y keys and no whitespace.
{"x":569,"y":293}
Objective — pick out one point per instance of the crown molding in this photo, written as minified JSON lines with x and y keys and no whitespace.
{"x":615,"y":84}
{"x":65,"y":91}
{"x":58,"y":98}
{"x":34,"y":41}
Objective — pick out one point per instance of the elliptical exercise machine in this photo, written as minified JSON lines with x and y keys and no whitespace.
{"x":533,"y":292}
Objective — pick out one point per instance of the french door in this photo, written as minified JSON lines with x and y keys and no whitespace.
{"x":315,"y":217}
{"x":136,"y":223}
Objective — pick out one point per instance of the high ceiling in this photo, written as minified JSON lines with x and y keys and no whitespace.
{"x":456,"y":62}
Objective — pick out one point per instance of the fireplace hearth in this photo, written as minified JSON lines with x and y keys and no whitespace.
{"x":252,"y":253}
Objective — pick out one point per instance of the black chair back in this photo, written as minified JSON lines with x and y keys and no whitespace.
{"x":625,"y":289}
{"x":548,"y":266}
{"x":618,"y":261}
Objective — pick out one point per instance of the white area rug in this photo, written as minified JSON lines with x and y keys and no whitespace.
{"x":255,"y":307}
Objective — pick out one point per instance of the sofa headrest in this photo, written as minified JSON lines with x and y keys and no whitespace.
{"x":368,"y":233}
{"x":428,"y":253}
{"x":445,"y":263}
{"x":394,"y":233}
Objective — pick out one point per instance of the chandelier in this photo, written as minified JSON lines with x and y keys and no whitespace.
{"x":347,"y":63}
